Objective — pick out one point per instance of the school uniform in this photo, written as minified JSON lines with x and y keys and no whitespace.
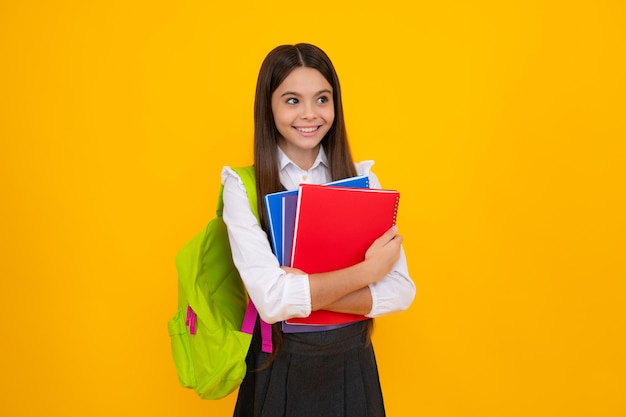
{"x":316,"y":374}
{"x":331,"y":373}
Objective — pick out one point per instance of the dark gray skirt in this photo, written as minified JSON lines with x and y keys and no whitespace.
{"x":322,"y":374}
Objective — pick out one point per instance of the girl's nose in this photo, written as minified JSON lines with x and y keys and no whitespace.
{"x":308,"y":112}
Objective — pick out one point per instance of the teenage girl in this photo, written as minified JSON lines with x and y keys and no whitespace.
{"x":300,"y":137}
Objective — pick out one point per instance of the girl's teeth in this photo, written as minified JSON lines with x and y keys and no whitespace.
{"x":307,"y":129}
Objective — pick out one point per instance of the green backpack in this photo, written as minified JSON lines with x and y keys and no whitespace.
{"x":208,"y":344}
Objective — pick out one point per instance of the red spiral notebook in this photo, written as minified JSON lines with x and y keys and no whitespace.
{"x":334,"y":228}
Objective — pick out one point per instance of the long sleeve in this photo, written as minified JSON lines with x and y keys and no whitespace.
{"x":276,"y":294}
{"x":396,"y":291}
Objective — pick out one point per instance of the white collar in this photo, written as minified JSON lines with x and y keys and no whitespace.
{"x":284,"y":160}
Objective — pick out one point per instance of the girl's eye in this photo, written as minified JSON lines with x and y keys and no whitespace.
{"x":292,"y":101}
{"x":322,"y":99}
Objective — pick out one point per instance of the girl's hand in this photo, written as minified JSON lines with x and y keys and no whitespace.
{"x":384,"y":253}
{"x":291,"y":270}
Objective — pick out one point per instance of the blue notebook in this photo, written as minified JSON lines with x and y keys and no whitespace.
{"x":274,"y":210}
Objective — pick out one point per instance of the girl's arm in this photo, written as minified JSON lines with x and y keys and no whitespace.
{"x":329,"y":287}
{"x":279,"y":294}
{"x":347,"y":290}
{"x":392,"y":294}
{"x":357,"y":302}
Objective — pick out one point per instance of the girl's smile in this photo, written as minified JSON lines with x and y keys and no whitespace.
{"x":307,"y":131}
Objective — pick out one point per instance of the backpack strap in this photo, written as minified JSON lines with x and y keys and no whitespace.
{"x":249,"y":320}
{"x":249,"y":181}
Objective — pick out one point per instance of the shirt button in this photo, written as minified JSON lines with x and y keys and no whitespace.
{"x":304,"y":177}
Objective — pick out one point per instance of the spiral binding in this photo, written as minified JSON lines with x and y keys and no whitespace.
{"x":395,"y":210}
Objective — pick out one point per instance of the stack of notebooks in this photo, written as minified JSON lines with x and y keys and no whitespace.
{"x":322,"y":228}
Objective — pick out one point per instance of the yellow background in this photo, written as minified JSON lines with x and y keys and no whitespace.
{"x":501,"y":123}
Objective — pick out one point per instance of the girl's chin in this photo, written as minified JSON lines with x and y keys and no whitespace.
{"x":299,"y":145}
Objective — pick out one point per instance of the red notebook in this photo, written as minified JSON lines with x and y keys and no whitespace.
{"x":334,"y":228}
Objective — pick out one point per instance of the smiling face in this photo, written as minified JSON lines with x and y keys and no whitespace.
{"x":304,"y":112}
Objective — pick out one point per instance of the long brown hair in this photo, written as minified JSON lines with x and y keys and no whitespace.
{"x":278,"y":64}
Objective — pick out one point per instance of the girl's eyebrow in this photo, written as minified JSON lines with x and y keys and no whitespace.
{"x":293,"y":93}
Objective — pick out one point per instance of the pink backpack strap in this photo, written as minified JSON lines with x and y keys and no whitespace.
{"x":266,"y":337}
{"x":249,"y":320}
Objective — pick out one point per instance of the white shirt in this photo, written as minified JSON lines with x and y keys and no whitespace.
{"x":276,"y":294}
